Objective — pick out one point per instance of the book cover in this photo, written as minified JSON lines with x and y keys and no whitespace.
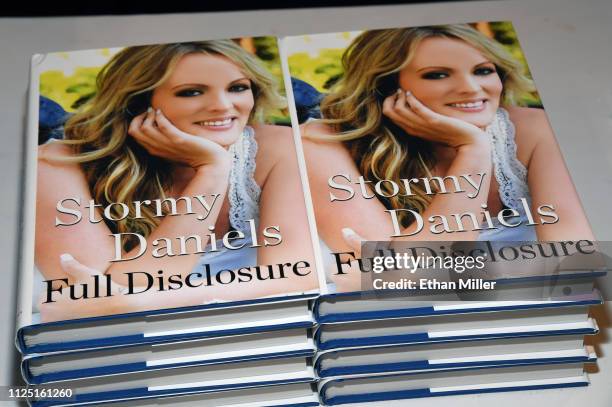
{"x":161,"y":177}
{"x":430,"y":136}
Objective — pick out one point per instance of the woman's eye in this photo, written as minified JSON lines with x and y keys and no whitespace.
{"x":186,"y":93}
{"x":435,"y":75}
{"x":240,"y":87}
{"x":484,"y":71}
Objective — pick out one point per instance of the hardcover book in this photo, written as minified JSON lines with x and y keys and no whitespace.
{"x":378,"y":389}
{"x":449,"y":328}
{"x":425,"y":139}
{"x":453,"y":355}
{"x":162,"y":179}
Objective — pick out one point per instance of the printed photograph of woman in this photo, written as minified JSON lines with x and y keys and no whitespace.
{"x":185,"y":126}
{"x":422,"y":136}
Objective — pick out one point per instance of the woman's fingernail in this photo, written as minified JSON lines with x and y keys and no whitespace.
{"x":66,"y":257}
{"x":150,"y":109}
{"x":408,"y":93}
{"x":348,"y":232}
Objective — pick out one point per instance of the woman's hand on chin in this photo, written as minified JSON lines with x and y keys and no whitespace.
{"x":406,"y":111}
{"x":161,"y":138}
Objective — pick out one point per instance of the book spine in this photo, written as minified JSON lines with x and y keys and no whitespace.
{"x":312,"y":224}
{"x":28,"y":211}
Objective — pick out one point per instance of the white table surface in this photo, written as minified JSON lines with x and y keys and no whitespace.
{"x":568,"y":45}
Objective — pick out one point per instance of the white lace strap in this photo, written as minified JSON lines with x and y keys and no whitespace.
{"x":243,"y":190}
{"x":510,"y":173}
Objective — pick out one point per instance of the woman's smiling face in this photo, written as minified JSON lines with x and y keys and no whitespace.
{"x":453,"y":78}
{"x":208,"y":96}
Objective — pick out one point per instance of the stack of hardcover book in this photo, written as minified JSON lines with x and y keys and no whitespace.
{"x":195,"y":217}
{"x":417,"y":351}
{"x":150,"y":273}
{"x":409,"y":108}
{"x":162,"y":363}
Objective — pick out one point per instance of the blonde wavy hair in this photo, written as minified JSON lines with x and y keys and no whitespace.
{"x":353,"y":109}
{"x":116,"y":167}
